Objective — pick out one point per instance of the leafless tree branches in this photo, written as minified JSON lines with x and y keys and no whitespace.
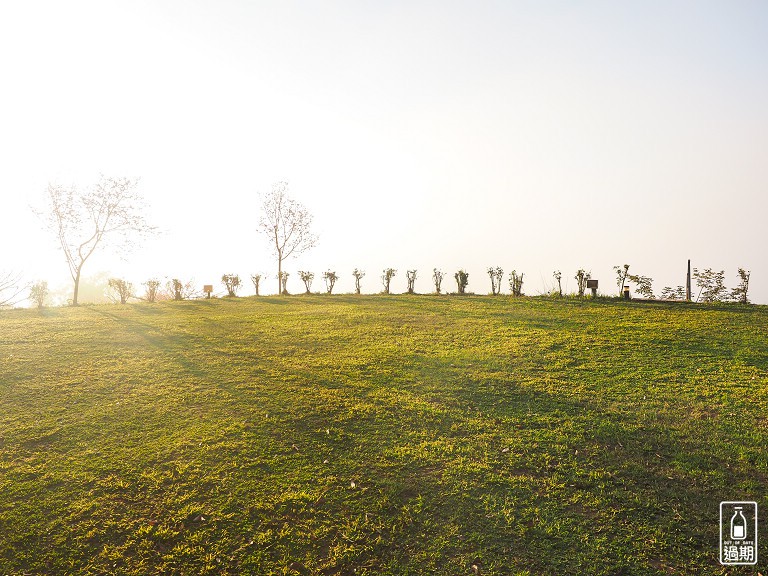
{"x":287,"y":225}
{"x":11,"y":288}
{"x":82,"y":221}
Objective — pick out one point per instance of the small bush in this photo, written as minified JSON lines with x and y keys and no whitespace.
{"x":231,"y":283}
{"x":739,"y":294}
{"x":283,"y":278}
{"x":178,"y":290}
{"x":437,"y":278}
{"x":462,"y":280}
{"x":151,"y":287}
{"x":38,"y":292}
{"x":516,"y":283}
{"x":386,"y":278}
{"x":256,"y":279}
{"x":358,"y":274}
{"x":307,"y":278}
{"x":669,"y":293}
{"x":643,"y":285}
{"x":496,"y":275}
{"x":711,"y":284}
{"x":410,"y":276}
{"x":581,"y":281}
{"x":330,"y":279}
{"x":122,"y":290}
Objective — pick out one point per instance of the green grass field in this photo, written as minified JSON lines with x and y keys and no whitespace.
{"x":375,"y":435}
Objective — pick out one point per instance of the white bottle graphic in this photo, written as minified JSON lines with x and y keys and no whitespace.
{"x":738,"y":525}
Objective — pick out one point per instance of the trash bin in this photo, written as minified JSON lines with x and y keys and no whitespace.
{"x":626,"y":292}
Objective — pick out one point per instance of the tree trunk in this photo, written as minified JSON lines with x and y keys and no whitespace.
{"x":279,"y":275}
{"x":77,"y":288}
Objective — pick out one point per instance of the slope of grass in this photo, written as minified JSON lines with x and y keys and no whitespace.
{"x":378,"y":435}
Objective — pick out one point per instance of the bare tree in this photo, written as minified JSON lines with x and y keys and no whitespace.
{"x":11,"y":288}
{"x":358,"y":274}
{"x":287,"y":225}
{"x":112,"y":210}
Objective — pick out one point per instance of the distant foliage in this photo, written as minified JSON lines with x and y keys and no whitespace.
{"x":462,"y":280}
{"x":358,"y":274}
{"x":386,"y":278}
{"x":669,"y":293}
{"x":231,"y":283}
{"x":283,"y":278}
{"x":307,"y":278}
{"x":256,"y":279}
{"x":581,"y":281}
{"x":516,"y":283}
{"x":739,"y":294}
{"x":410,"y":276}
{"x":558,"y":277}
{"x":711,"y":285}
{"x":330,"y":278}
{"x":437,"y":278}
{"x":151,"y":287}
{"x":643,"y":285}
{"x":496,"y":274}
{"x":121,"y":290}
{"x":38,"y":292}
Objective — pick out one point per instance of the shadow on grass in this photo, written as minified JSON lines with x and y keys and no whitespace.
{"x":520,"y":478}
{"x":182,"y":348}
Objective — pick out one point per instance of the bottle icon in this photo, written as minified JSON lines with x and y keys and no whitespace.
{"x":738,"y":525}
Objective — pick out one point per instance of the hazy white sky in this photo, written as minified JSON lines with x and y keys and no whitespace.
{"x":530,"y":135}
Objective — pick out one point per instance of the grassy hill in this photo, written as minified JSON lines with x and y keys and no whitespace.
{"x":378,"y":435}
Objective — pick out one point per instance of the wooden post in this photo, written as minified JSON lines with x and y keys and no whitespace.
{"x":688,"y":283}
